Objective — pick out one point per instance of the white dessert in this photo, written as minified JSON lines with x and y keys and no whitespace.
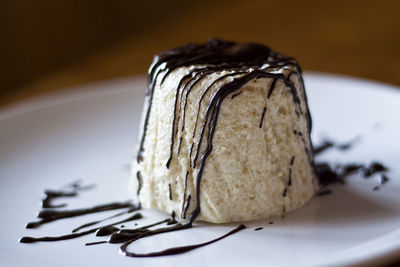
{"x":261,"y":163}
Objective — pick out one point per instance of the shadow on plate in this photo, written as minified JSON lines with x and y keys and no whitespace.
{"x":344,"y":205}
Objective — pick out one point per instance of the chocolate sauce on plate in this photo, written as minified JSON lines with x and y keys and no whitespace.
{"x":70,"y":190}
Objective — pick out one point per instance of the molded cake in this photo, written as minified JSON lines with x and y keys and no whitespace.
{"x":225,"y":134}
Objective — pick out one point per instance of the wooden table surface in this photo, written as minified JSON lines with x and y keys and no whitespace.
{"x":357,"y":38}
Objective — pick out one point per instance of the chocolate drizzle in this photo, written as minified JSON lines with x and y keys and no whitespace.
{"x":235,"y":95}
{"x":262,"y":117}
{"x":242,"y":63}
{"x":290,"y":171}
{"x":28,"y":239}
{"x":117,"y":235}
{"x":71,"y":190}
{"x":140,"y":182}
{"x":50,"y":195}
{"x":169,"y":192}
{"x":50,"y":215}
{"x":175,"y":250}
{"x":333,"y":174}
{"x":327,"y":144}
{"x":131,"y":209}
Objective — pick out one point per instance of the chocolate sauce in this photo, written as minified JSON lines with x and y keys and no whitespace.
{"x":175,"y":250}
{"x":187,"y":204}
{"x":284,"y":194}
{"x":262,"y":117}
{"x":138,"y":233}
{"x":131,"y":209}
{"x":184,"y":202}
{"x":50,"y":215}
{"x":331,"y":174}
{"x":50,"y":195}
{"x":103,"y":231}
{"x":374,"y":167}
{"x":117,"y":235}
{"x":328,"y":174}
{"x":328,"y":144}
{"x":140,"y":182}
{"x":28,"y":239}
{"x":71,"y":190}
{"x":271,"y":89}
{"x":384,"y":179}
{"x":258,"y":229}
{"x":290,"y":171}
{"x":172,"y":220}
{"x":169,"y":192}
{"x":235,"y":95}
{"x":322,"y":147}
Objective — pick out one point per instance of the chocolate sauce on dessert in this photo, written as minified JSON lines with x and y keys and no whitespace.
{"x":244,"y":62}
{"x":262,"y":117}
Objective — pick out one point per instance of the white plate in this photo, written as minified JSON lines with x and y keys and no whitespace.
{"x":91,"y":134}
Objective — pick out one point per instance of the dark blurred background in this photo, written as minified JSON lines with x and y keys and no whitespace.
{"x":49,"y":45}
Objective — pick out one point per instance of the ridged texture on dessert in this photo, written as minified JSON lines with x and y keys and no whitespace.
{"x":261,"y":160}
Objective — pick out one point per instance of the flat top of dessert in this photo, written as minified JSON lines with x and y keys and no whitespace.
{"x":54,"y":140}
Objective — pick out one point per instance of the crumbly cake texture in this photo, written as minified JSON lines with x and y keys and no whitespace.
{"x":244,"y":156}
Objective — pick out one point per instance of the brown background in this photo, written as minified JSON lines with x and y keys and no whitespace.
{"x":50,"y":45}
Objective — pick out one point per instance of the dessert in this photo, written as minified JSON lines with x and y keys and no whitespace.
{"x":226,"y":137}
{"x":225,"y":134}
